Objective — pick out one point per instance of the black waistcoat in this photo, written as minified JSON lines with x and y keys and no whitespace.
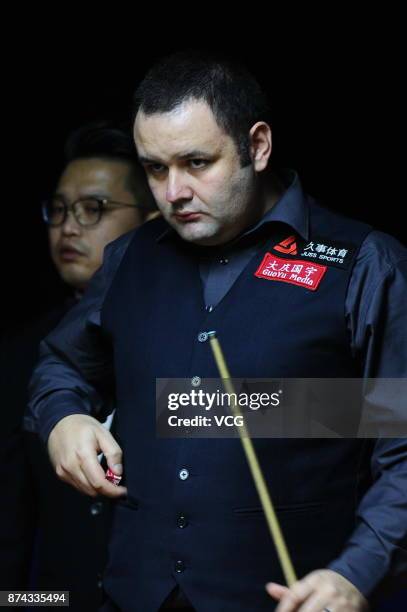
{"x":222,"y":554}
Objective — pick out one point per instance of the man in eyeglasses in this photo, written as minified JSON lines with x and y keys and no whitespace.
{"x":100,"y":195}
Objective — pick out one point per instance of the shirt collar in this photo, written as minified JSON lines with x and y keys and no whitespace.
{"x":291,"y":208}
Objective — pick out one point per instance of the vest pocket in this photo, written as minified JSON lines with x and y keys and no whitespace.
{"x":283,"y":508}
{"x":129,"y":502}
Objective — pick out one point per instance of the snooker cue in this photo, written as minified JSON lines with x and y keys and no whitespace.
{"x":265,"y":499}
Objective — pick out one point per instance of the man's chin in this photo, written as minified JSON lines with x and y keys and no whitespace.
{"x":74,"y":276}
{"x":197,"y":233}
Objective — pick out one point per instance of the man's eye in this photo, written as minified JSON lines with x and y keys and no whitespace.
{"x":89,"y":208}
{"x":56,"y":208}
{"x":156,"y":168}
{"x":196,"y":164}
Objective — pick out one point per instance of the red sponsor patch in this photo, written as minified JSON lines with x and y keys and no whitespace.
{"x":305,"y":274}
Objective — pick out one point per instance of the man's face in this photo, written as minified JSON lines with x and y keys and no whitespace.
{"x":194,"y":172}
{"x":77,"y":251}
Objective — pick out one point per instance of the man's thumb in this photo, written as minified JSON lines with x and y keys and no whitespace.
{"x":117,"y":468}
{"x":113,"y":454}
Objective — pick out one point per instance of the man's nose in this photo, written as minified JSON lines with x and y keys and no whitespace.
{"x":178,"y":189}
{"x":70,"y":226}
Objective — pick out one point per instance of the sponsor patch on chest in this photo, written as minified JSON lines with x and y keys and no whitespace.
{"x":305,"y":274}
{"x":319,"y":250}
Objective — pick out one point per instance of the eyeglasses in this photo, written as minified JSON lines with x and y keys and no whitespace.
{"x":87,"y":211}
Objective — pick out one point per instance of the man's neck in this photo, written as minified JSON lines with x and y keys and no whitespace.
{"x":272,"y":189}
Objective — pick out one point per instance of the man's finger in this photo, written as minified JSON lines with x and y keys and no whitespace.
{"x":82,"y":483}
{"x":111,"y":450}
{"x":114,"y":459}
{"x":97,"y":487}
{"x":76,"y":479}
{"x":113,"y":491}
{"x":277,"y":591}
{"x":295,"y":596}
{"x":97,"y":479}
{"x":92,"y":469}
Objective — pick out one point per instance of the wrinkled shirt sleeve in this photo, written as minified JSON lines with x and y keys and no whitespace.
{"x":74,"y":374}
{"x":377,"y":319}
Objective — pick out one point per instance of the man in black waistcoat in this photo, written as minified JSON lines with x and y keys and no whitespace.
{"x":293,"y":290}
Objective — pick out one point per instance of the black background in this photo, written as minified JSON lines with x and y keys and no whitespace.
{"x":334,"y":75}
{"x":335,"y":90}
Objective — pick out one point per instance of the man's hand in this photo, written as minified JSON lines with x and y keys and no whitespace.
{"x":319,"y":590}
{"x":73,"y":447}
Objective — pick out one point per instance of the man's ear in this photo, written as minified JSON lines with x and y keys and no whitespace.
{"x":260,"y":145}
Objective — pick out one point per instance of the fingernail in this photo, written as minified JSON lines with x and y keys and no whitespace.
{"x":118,"y":468}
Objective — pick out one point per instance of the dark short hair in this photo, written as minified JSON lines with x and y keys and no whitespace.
{"x":232,"y":93}
{"x":109,"y":141}
{"x":100,"y":139}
